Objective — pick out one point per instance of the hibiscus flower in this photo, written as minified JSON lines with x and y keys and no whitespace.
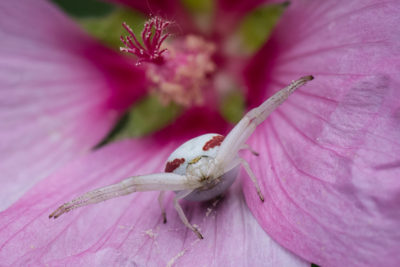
{"x":328,"y":160}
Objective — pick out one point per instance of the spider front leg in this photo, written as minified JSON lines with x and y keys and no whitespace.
{"x":150,"y":182}
{"x":227,"y":155}
{"x":237,"y":137}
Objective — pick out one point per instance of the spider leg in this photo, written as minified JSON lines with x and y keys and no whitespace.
{"x":151,"y":182}
{"x":252,"y":176}
{"x":160,"y":201}
{"x":246,"y":126}
{"x":241,"y":161}
{"x":182,"y":215}
{"x":247,"y":147}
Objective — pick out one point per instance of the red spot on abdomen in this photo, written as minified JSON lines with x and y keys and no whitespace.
{"x":215,"y":141}
{"x":173,"y":165}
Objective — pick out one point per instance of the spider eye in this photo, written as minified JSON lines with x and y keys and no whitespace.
{"x":200,"y":160}
{"x":195,"y":160}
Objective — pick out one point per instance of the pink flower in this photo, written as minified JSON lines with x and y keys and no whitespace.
{"x":328,"y":160}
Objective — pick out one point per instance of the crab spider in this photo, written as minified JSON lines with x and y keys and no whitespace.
{"x":198,"y":170}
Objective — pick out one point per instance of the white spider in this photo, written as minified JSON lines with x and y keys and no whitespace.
{"x":200,"y":169}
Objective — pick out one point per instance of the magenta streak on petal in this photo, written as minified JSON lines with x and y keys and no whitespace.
{"x":129,"y":230}
{"x":329,"y":156}
{"x":60,"y":93}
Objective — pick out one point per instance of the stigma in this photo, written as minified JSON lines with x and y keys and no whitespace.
{"x":153,"y":35}
{"x":177,"y":70}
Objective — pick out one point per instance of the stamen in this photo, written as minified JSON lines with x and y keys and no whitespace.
{"x":184,"y":76}
{"x":152,"y":36}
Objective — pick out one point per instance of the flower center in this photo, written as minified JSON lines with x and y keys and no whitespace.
{"x":179,"y":69}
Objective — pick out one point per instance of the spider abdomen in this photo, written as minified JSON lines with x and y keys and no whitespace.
{"x":191,"y":151}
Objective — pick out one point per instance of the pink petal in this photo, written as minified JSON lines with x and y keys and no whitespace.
{"x":330,"y":155}
{"x":129,"y":230}
{"x":60,"y":93}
